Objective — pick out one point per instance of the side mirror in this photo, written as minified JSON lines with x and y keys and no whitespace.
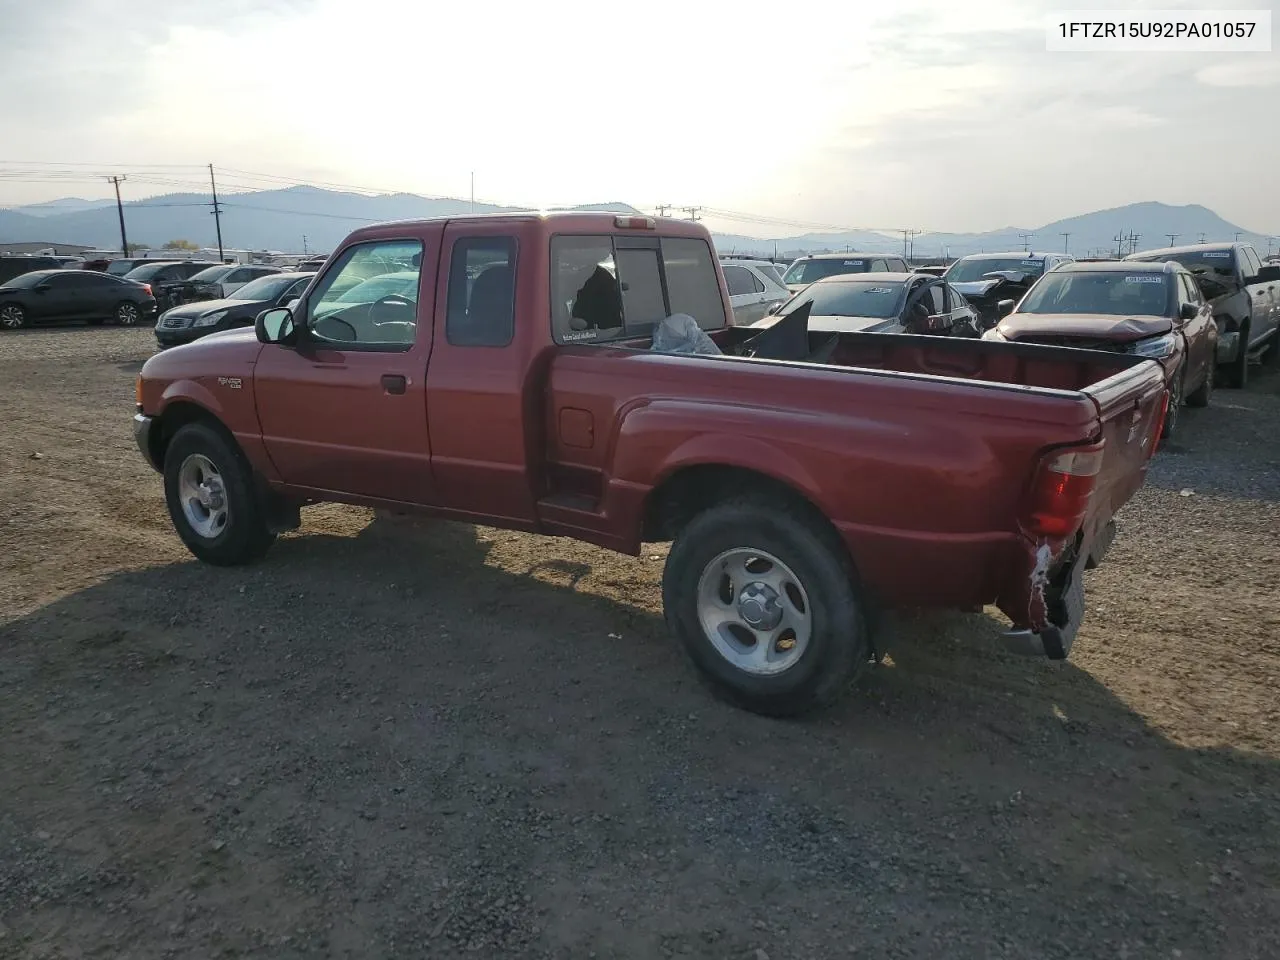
{"x":1005,"y":307}
{"x":774,"y":308}
{"x":274,"y":326}
{"x":1268,"y":274}
{"x":1188,"y":311}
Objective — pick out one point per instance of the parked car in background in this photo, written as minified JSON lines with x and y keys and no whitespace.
{"x":1151,"y":310}
{"x":885,"y":303}
{"x":73,"y":295}
{"x":191,"y":321}
{"x":1244,"y":296}
{"x":987,"y":278}
{"x":312,"y":264}
{"x":121,"y":266}
{"x":214,"y":283}
{"x":99,"y":264}
{"x":16,"y":265}
{"x":811,"y":267}
{"x":803,"y":493}
{"x":754,"y":286}
{"x":167,"y":276}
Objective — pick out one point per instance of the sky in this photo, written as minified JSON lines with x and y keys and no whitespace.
{"x":927,"y":114}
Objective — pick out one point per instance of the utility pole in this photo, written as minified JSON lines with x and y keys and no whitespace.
{"x":663,"y":208}
{"x":1172,"y":237}
{"x":1026,"y":241}
{"x":217,"y":213}
{"x":1066,"y":242}
{"x":304,"y":244}
{"x":1133,"y":241}
{"x":1119,"y":240}
{"x":1237,"y":236}
{"x":124,"y":241}
{"x":1202,"y":236}
{"x":692,"y":212}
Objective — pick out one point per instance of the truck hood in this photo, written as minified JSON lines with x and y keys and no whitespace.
{"x":1119,"y":329}
{"x":205,"y":355}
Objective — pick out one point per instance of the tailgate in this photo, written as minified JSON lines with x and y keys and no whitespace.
{"x":1131,"y":407}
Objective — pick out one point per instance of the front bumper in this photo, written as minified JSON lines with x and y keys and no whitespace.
{"x":142,"y":431}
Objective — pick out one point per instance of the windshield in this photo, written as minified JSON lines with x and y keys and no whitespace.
{"x":773,"y":273}
{"x":967,"y":270}
{"x":265,"y":288}
{"x":1113,"y":293}
{"x":211,"y":274}
{"x":27,"y":279}
{"x":401,"y":284}
{"x":859,"y":298}
{"x":807,"y":271}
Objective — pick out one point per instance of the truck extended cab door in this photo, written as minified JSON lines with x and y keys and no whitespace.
{"x":343,"y":409}
{"x":483,"y":404}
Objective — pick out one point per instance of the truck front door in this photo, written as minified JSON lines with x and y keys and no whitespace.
{"x":343,"y":409}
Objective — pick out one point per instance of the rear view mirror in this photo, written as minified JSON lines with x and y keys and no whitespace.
{"x":274,"y":326}
{"x":1188,"y":311}
{"x":1005,"y":307}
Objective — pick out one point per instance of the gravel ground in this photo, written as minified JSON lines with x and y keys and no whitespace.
{"x":454,"y":740}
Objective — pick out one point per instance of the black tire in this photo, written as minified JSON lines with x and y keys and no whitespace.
{"x":1176,"y":393}
{"x":1201,"y":395}
{"x":1236,"y":373}
{"x":127,"y":314}
{"x":12,"y":316}
{"x":838,"y":646}
{"x":245,"y":537}
{"x":1271,"y":356}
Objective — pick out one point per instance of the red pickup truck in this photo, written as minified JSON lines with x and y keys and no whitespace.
{"x":501,"y":370}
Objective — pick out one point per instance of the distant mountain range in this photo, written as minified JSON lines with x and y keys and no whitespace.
{"x":280,"y":219}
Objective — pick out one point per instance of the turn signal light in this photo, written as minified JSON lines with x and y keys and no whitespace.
{"x":1061,"y":491}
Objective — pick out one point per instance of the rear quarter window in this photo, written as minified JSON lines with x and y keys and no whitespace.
{"x":605,"y":288}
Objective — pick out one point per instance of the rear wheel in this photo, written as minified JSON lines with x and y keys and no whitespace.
{"x":209,"y":489}
{"x":127,"y":314}
{"x":763,"y":599}
{"x":1200,"y":396}
{"x":1236,"y":373}
{"x":12,"y":316}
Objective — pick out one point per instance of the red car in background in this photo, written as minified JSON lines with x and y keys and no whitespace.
{"x":1151,"y":310}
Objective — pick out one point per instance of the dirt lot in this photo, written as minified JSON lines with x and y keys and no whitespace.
{"x":480,"y":743}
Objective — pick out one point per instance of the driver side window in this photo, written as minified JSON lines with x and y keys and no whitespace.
{"x":368,"y":299}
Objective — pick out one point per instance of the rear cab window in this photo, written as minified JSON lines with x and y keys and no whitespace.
{"x":606,"y":287}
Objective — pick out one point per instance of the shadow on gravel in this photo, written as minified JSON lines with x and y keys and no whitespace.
{"x":386,"y":746}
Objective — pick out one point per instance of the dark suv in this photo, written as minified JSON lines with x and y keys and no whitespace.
{"x":1244,"y":295}
{"x":12,"y":266}
{"x":166,"y":277}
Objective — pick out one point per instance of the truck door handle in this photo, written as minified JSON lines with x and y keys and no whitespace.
{"x":393,"y":383}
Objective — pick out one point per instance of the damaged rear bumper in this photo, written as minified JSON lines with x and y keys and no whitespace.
{"x":1055,"y":601}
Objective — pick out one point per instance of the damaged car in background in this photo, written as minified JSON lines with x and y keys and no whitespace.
{"x":1151,"y":310}
{"x":987,"y":279}
{"x":883,"y":303}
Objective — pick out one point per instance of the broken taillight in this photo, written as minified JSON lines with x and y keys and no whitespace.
{"x":1160,"y":418}
{"x":146,"y":288}
{"x":1061,"y":490}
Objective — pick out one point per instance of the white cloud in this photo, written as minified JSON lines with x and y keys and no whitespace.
{"x":939,"y":114}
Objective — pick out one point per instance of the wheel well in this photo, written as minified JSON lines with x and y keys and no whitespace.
{"x":176,"y":416}
{"x":687,"y":492}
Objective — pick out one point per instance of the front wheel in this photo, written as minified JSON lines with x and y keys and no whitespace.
{"x":12,"y":317}
{"x":1201,"y":395}
{"x":1175,"y":404}
{"x":764,"y":601}
{"x":127,"y":314}
{"x":209,"y":489}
